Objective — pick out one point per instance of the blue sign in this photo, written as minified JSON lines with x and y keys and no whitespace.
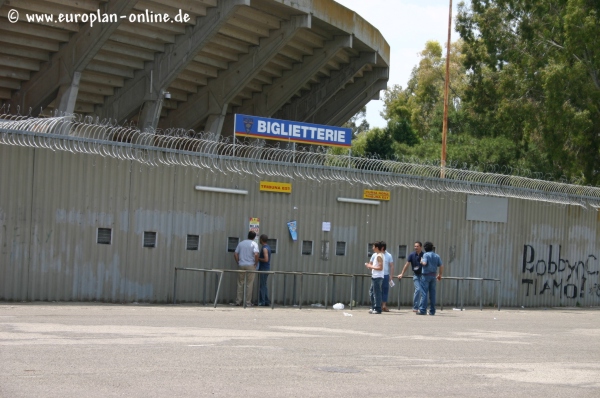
{"x":292,"y":228}
{"x":285,"y":130}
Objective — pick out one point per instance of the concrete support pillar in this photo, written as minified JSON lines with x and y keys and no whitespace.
{"x":214,"y":124}
{"x":151,"y":113}
{"x":228,"y":123}
{"x":67,"y":95}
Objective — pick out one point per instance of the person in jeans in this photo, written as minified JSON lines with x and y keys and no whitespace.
{"x":376,"y":268}
{"x":414,"y":260}
{"x":264,"y":264}
{"x":388,"y":269}
{"x":246,"y":256}
{"x":432,"y":272}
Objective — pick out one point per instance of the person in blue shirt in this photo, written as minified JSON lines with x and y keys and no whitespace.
{"x":431,"y":273}
{"x":264,"y":264}
{"x":414,"y":260}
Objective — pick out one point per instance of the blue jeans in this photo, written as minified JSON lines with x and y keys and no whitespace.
{"x":263,"y":292}
{"x":418,"y":292}
{"x":385,"y":288}
{"x":375,"y":293}
{"x":428,"y":283}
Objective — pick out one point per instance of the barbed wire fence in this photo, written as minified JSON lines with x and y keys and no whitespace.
{"x":188,"y":148}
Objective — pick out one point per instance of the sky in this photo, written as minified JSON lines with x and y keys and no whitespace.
{"x":406,"y":25}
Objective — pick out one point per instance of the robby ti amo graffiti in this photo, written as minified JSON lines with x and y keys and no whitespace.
{"x":550,"y":273}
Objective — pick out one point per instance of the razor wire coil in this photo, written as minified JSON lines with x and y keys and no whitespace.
{"x":177,"y":147}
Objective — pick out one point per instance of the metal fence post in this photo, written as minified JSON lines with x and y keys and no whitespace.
{"x":457,"y":290}
{"x":273,"y":284}
{"x":300,"y":301}
{"x":352,"y":282}
{"x":332,"y":290}
{"x":294,"y":291}
{"x":499,"y":290}
{"x":441,"y":295}
{"x":399,"y":291}
{"x":326,"y":286}
{"x":218,"y":288}
{"x":461,"y":297}
{"x":481,"y":296}
{"x":284,"y":283}
{"x":245,"y":287}
{"x":175,"y":286}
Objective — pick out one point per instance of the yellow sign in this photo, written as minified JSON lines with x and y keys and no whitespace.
{"x":282,"y":187}
{"x":378,"y":195}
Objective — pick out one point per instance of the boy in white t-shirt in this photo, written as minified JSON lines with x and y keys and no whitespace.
{"x":376,"y":267}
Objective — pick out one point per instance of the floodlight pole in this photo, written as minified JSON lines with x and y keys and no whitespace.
{"x":446,"y":85}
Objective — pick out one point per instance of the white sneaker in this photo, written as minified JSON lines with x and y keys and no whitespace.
{"x":371,"y":311}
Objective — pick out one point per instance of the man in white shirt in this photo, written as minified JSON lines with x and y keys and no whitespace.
{"x":376,"y":267}
{"x":388,"y":272}
{"x":246,"y":256}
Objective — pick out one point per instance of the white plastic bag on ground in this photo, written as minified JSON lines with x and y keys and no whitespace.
{"x":338,"y":306}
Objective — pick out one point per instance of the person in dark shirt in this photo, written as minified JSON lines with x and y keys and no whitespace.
{"x":264,"y":264}
{"x":414,"y":259}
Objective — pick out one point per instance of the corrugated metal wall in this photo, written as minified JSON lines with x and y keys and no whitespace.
{"x":16,"y":171}
{"x":73,"y":195}
{"x":52,"y":204}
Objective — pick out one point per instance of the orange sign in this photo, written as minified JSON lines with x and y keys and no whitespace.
{"x":377,"y":195}
{"x":282,"y":187}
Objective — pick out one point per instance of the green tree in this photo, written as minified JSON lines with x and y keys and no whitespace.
{"x":401,"y":131}
{"x":419,"y":107}
{"x":379,"y":143}
{"x":532,"y":67}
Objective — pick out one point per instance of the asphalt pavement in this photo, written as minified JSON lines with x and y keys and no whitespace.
{"x":107,"y":350}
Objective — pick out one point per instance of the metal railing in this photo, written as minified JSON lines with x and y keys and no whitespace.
{"x":297,"y":286}
{"x":459,"y":291}
{"x":220,"y":272}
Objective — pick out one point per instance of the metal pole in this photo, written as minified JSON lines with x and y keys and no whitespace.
{"x":461,"y":297}
{"x":218,"y":288}
{"x":326,"y":286}
{"x":294,"y":291}
{"x":457,"y":292}
{"x":245,"y":287}
{"x":284,"y":279}
{"x":352,"y":282}
{"x":499,"y":289}
{"x":333,"y":290}
{"x":362,"y":290}
{"x":399,"y":290}
{"x":175,"y":286}
{"x":355,"y":288}
{"x":481,"y":296}
{"x":446,"y":84}
{"x":273,"y":291}
{"x":300,"y":301}
{"x":217,"y":282}
{"x":441,"y":295}
{"x":257,"y":285}
{"x":204,"y":288}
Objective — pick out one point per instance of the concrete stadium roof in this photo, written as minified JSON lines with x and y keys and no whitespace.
{"x":306,"y":60}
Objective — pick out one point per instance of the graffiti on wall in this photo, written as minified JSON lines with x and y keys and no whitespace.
{"x":545,"y":271}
